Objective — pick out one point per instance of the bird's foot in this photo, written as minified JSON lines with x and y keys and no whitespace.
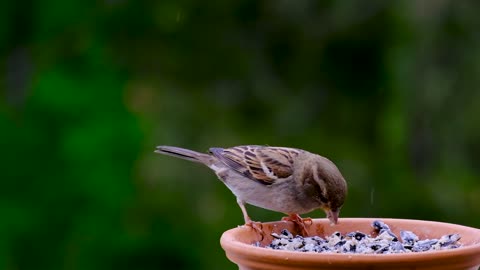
{"x":257,"y":227}
{"x":302,"y":223}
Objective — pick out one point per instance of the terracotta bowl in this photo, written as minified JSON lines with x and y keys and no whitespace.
{"x":238,"y":247}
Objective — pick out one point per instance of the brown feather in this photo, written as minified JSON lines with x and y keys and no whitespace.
{"x":259,"y":163}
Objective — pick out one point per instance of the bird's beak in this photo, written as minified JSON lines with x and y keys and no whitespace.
{"x":332,"y":216}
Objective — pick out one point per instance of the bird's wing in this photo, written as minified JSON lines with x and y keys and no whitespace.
{"x":263,"y":164}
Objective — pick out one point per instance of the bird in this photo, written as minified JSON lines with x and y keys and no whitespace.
{"x":281,"y":179}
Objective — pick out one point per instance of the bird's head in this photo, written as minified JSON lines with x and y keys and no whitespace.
{"x":332,"y":188}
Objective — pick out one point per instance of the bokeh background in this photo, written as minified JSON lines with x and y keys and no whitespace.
{"x":388,"y":90}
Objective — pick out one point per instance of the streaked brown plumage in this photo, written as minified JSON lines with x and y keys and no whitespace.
{"x":287,"y":180}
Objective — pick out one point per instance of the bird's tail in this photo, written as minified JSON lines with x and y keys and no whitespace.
{"x":184,"y":154}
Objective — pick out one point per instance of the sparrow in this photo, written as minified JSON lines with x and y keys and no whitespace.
{"x":281,"y":179}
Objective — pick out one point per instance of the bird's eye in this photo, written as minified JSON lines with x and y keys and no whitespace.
{"x":322,"y":198}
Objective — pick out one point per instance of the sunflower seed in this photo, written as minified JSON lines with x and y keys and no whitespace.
{"x":386,"y":242}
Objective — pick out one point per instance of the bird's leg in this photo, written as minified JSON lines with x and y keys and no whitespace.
{"x":257,"y":226}
{"x":300,"y":222}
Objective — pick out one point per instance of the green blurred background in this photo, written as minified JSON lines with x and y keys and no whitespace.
{"x":388,"y":91}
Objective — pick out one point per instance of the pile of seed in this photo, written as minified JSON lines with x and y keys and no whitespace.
{"x":386,"y":242}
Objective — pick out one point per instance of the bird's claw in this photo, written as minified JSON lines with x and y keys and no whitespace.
{"x":257,"y":227}
{"x":302,"y":223}
{"x":308,"y":221}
